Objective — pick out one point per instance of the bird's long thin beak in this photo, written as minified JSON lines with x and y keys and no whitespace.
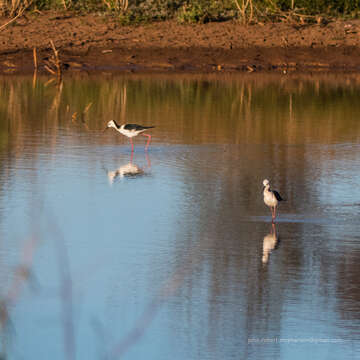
{"x":263,"y":189}
{"x":105,"y":129}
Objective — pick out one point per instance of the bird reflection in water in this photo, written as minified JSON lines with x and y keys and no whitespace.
{"x":270,"y":243}
{"x":129,"y":170}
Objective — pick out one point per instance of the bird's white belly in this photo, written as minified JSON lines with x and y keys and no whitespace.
{"x":270,"y":199}
{"x":129,"y":133}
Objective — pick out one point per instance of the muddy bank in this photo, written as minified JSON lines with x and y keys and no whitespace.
{"x":94,"y":43}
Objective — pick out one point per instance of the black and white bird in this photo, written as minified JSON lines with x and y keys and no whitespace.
{"x":271,"y":198}
{"x":130,"y":130}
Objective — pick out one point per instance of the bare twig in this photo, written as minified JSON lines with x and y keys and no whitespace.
{"x":22,"y":275}
{"x":51,"y":71}
{"x":21,"y":11}
{"x":243,"y":10}
{"x":107,"y":4}
{"x":57,"y":60}
{"x":66,"y":289}
{"x":88,"y":106}
{"x":125,"y":5}
{"x":237,"y":5}
{"x":119,"y":5}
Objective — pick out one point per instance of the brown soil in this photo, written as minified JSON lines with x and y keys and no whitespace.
{"x":96,"y":43}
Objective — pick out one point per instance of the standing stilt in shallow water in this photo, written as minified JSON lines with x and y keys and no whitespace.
{"x":130,"y":130}
{"x":271,"y":198}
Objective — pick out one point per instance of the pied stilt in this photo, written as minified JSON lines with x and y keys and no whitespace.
{"x":271,"y":198}
{"x":130,"y":130}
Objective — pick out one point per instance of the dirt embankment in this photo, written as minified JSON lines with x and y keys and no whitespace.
{"x":95,"y":43}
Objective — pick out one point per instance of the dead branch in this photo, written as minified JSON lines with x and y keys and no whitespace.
{"x":21,"y":11}
{"x":243,"y":10}
{"x":57,"y":60}
{"x":88,"y":106}
{"x":51,"y":71}
{"x":107,"y":4}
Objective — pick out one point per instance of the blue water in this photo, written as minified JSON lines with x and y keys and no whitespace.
{"x":171,"y":259}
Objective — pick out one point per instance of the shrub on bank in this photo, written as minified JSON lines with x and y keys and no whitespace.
{"x":197,"y":11}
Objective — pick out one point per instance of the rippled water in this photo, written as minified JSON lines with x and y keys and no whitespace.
{"x":171,"y":254}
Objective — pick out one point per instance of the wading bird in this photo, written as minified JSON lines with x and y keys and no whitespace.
{"x":271,"y":198}
{"x":130,"y":130}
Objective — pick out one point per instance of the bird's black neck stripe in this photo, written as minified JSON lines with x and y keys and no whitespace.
{"x":116,"y":124}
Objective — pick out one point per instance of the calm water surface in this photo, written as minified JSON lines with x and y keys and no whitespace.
{"x":171,"y":254}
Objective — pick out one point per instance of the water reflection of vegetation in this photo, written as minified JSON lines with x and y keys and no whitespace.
{"x":192,"y":110}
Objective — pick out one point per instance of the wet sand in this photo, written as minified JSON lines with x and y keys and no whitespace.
{"x":94,"y":43}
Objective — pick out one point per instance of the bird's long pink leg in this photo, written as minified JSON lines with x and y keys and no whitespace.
{"x":148,"y":142}
{"x":131,"y":157}
{"x":272,"y":214}
{"x":132,"y":145}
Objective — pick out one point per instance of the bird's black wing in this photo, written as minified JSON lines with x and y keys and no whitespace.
{"x":277,"y":195}
{"x":135,"y":127}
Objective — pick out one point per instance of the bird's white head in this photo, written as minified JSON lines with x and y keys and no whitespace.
{"x":111,"y":123}
{"x":266,"y":182}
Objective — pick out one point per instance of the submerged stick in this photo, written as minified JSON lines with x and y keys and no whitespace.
{"x":34,"y":79}
{"x":35,"y":59}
